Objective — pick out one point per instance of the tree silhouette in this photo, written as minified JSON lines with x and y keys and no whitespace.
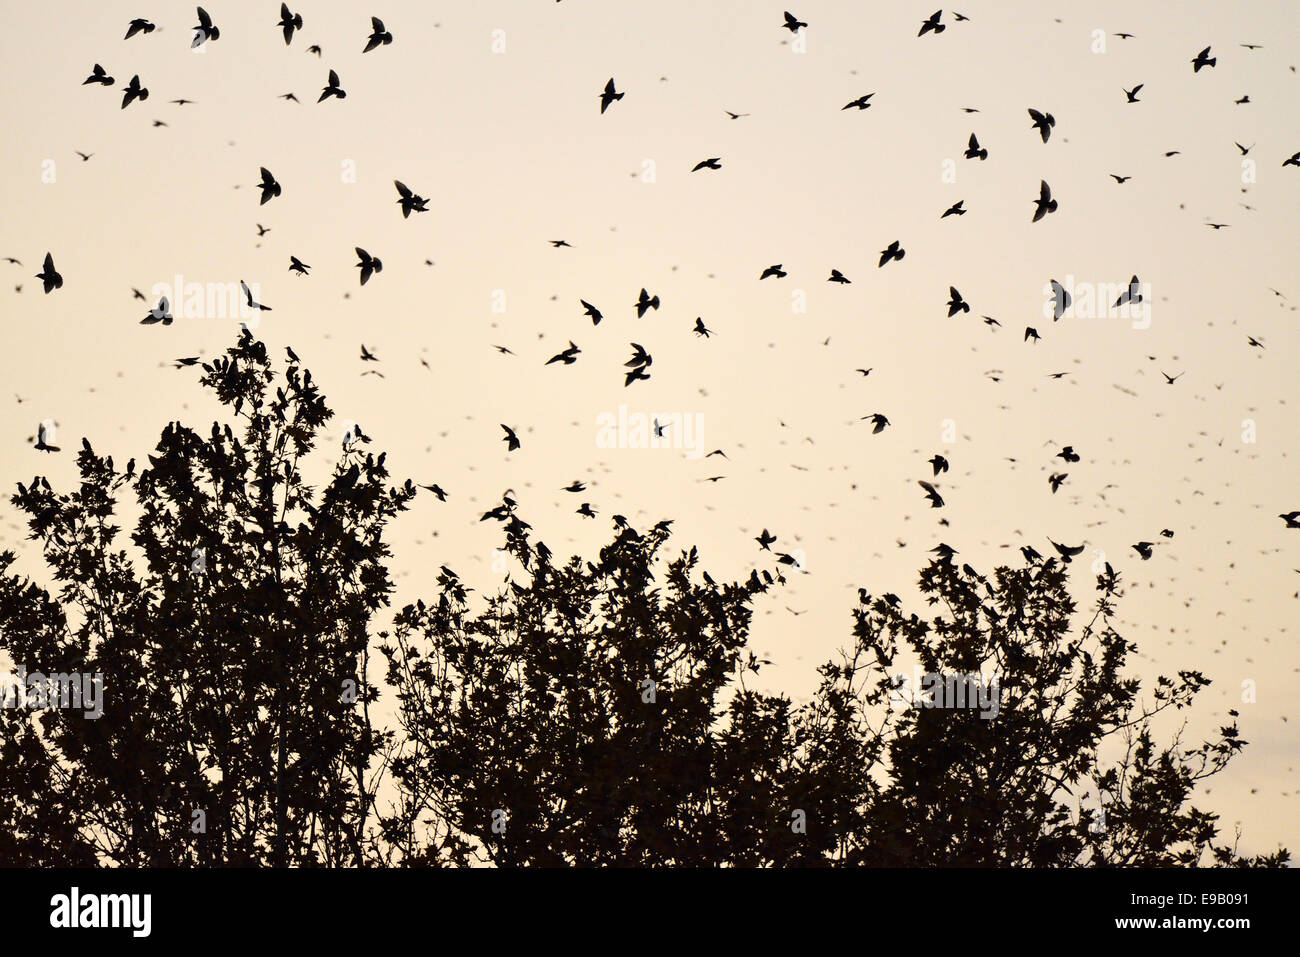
{"x":586,"y":713}
{"x":233,"y":639}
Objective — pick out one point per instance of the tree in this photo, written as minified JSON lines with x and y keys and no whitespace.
{"x":586,"y":712}
{"x":233,"y":640}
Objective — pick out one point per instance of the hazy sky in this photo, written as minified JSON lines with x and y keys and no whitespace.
{"x":490,"y":109}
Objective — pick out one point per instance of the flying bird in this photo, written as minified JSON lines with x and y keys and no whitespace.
{"x":378,"y":35}
{"x":931,"y":493}
{"x":134,"y":91}
{"x":49,"y":276}
{"x":792,"y":23}
{"x":41,"y":444}
{"x":1061,"y":300}
{"x":205,"y":30}
{"x":932,"y":24}
{"x":333,"y":89}
{"x":609,"y":95}
{"x":410,"y":202}
{"x":878,"y":421}
{"x":1203,"y":59}
{"x":1119,"y":179}
{"x":269,"y":187}
{"x":159,"y":313}
{"x":839,"y":277}
{"x":1144,"y":549}
{"x":298,"y":266}
{"x":776,"y":271}
{"x":510,"y":439}
{"x":938,"y":463}
{"x":248,"y":295}
{"x":1044,"y":204}
{"x":1133,"y":93}
{"x":956,"y":303}
{"x":569,"y":356}
{"x":1067,"y":552}
{"x":956,"y":209}
{"x":714,"y":162}
{"x":974,"y":150}
{"x":289,"y":22}
{"x":700,"y":329}
{"x":1043,"y":122}
{"x":591,"y":311}
{"x":367,"y":264}
{"x":97,"y":75}
{"x":892,"y":251}
{"x":861,"y":102}
{"x":646,"y":302}
{"x":139,"y":26}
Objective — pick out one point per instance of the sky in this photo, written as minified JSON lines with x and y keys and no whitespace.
{"x":491,"y":110}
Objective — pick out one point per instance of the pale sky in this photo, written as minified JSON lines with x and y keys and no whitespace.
{"x":512,"y":152}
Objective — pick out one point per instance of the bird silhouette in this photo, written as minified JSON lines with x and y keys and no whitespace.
{"x":609,"y":95}
{"x":50,"y":277}
{"x":1061,"y":300}
{"x":269,"y":187}
{"x":1144,"y":549}
{"x":289,"y":22}
{"x":159,"y":313}
{"x":932,"y":24}
{"x":1133,"y":93}
{"x":714,"y":162}
{"x":700,"y":329}
{"x":205,"y":30}
{"x":296,"y":265}
{"x":839,"y":277}
{"x":646,"y":302}
{"x":591,"y":311}
{"x":139,"y":26}
{"x":97,"y":75}
{"x":134,"y":91}
{"x":861,"y":102}
{"x":1068,"y":552}
{"x":248,"y":296}
{"x":1044,"y":204}
{"x":776,"y":271}
{"x":510,"y":438}
{"x":1203,"y":59}
{"x":938,"y":463}
{"x":367,"y":264}
{"x":41,"y":444}
{"x":333,"y":88}
{"x":931,"y":493}
{"x":378,"y":35}
{"x":892,"y":251}
{"x":793,"y":24}
{"x":1043,"y":122}
{"x":569,"y":356}
{"x":878,"y":422}
{"x":956,"y":209}
{"x":409,"y":201}
{"x":955,"y":302}
{"x":974,"y":150}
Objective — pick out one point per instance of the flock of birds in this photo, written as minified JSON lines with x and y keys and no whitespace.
{"x":638,"y":367}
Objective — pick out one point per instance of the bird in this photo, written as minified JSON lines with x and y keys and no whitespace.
{"x":139,"y":26}
{"x":1043,"y":122}
{"x":878,"y":421}
{"x":938,"y":463}
{"x":575,"y":486}
{"x":289,"y":22}
{"x":1144,"y":549}
{"x":409,"y":201}
{"x":248,"y":295}
{"x":1245,"y":150}
{"x":1068,"y":552}
{"x":1031,"y":333}
{"x":839,"y":277}
{"x":314,"y":48}
{"x":134,"y":91}
{"x":955,"y":302}
{"x":944,"y":551}
{"x":1292,"y":519}
{"x":181,"y":102}
{"x":1132,"y":293}
{"x":1119,"y":179}
{"x":1056,"y":479}
{"x":50,"y":277}
{"x":368,"y":264}
{"x":861,"y":102}
{"x":608,"y":96}
{"x":700,"y":329}
{"x":289,"y":96}
{"x":41,"y":444}
{"x":734,"y":116}
{"x":1252,"y":341}
{"x":591,"y":311}
{"x":367,"y":355}
{"x":1068,"y":454}
{"x":714,"y":162}
{"x":639,"y":356}
{"x":159,"y":313}
{"x":205,"y":30}
{"x":85,"y":157}
{"x":931,"y":493}
{"x":1203,"y":59}
{"x":269,"y":187}
{"x":332,"y":89}
{"x":956,"y":209}
{"x":932,"y":24}
{"x":97,"y":75}
{"x":1044,"y":204}
{"x":792,"y":23}
{"x":892,"y":251}
{"x":1217,"y":226}
{"x":1061,"y":300}
{"x":511,"y":440}
{"x":865,"y":372}
{"x":974,"y":150}
{"x":1170,"y":380}
{"x":1241,"y":102}
{"x":1293,"y":160}
{"x":646,"y":302}
{"x":1031,"y":554}
{"x":1133,"y":93}
{"x":298,"y":266}
{"x":437,"y":490}
{"x":569,"y":356}
{"x":776,"y":271}
{"x":559,"y":243}
{"x":262,"y":230}
{"x":764,"y":540}
{"x":586,"y":511}
{"x":378,"y":35}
